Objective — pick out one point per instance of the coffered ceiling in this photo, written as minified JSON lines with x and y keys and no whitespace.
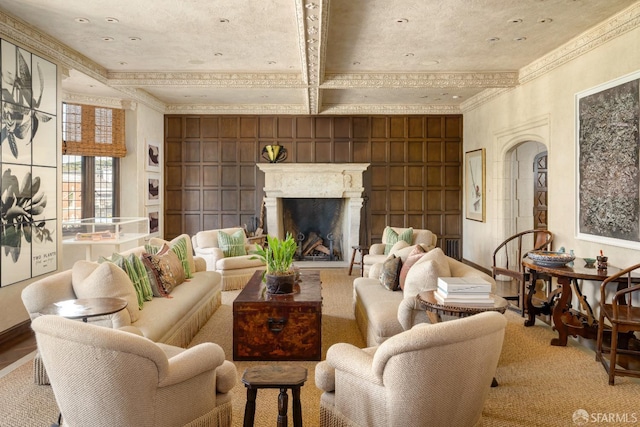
{"x":308,"y":56}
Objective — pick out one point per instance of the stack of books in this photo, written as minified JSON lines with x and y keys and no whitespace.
{"x":463,"y":290}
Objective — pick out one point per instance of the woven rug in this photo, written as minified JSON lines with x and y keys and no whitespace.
{"x":540,"y":385}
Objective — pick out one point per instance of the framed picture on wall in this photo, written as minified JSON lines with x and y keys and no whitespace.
{"x":607,"y":131}
{"x":153,"y":189}
{"x":474,"y":184}
{"x":152,"y":157}
{"x":153,"y":213}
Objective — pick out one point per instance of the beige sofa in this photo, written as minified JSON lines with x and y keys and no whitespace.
{"x":381,"y":313}
{"x":174,"y":320}
{"x":376,"y":253}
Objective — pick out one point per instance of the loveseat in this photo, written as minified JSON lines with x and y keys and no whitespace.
{"x":378,"y":252}
{"x":381,"y":313}
{"x":174,"y":319}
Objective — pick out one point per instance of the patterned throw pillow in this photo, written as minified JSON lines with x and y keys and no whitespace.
{"x":412,"y":258}
{"x":165,"y":267}
{"x":390,"y":273}
{"x":392,"y":237}
{"x":232,"y":244}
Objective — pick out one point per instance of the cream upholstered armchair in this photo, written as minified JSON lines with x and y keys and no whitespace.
{"x":436,"y":375}
{"x":378,"y":252}
{"x":234,"y":262}
{"x":107,"y":377}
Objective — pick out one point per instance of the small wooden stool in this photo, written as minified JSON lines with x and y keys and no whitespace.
{"x":274,"y":376}
{"x":363,"y":251}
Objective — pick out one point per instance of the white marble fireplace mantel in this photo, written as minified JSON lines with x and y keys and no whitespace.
{"x":315,"y":180}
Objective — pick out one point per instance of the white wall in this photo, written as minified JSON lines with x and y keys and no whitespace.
{"x":543,"y":110}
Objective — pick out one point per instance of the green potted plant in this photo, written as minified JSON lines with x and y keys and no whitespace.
{"x":278,"y":256}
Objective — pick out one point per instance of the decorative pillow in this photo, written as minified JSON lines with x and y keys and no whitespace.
{"x":109,"y":281}
{"x":232,"y":244}
{"x":413,"y":257}
{"x":126,"y":266}
{"x":392,"y":237}
{"x":423,"y":276}
{"x":391,"y":273}
{"x":167,"y":269}
{"x":145,"y":285}
{"x":181,"y":245}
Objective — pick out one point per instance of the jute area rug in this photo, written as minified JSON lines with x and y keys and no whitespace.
{"x":540,"y":385}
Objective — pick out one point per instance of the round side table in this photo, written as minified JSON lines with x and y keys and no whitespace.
{"x":83,"y":308}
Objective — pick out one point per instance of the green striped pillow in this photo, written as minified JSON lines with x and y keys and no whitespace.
{"x":232,"y":244}
{"x":141,"y":271}
{"x":179,"y":247}
{"x":393,"y":238}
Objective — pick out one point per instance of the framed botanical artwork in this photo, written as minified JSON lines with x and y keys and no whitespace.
{"x":152,"y":157}
{"x":608,"y":133}
{"x":153,"y":189}
{"x":474,"y":184}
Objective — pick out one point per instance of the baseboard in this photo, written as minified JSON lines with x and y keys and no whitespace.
{"x":16,"y":332}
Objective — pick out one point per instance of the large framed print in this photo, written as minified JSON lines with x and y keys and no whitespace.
{"x":28,"y":165}
{"x":608,"y":172}
{"x":474,"y":186}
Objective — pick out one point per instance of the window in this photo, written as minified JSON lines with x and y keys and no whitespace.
{"x":93,"y":142}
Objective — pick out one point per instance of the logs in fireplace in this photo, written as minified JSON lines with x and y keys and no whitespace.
{"x":313,"y":248}
{"x":317,"y":225}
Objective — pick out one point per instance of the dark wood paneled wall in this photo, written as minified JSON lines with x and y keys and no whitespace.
{"x":415,"y":177}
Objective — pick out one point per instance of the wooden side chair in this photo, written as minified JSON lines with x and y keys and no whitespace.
{"x":616,"y":307}
{"x":507,"y":259}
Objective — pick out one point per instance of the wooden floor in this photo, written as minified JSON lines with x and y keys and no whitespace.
{"x":17,"y":348}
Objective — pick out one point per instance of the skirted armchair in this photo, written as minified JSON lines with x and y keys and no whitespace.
{"x":107,"y":377}
{"x":433,"y":374}
{"x":229,"y":254}
{"x":378,"y":252}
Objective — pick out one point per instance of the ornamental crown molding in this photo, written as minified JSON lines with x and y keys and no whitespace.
{"x":97,"y":101}
{"x":28,"y":36}
{"x":235,"y":109}
{"x":482,"y":98}
{"x":390,"y":109}
{"x":621,"y":23}
{"x":421,"y":80}
{"x":204,"y":79}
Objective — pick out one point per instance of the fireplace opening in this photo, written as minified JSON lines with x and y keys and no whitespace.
{"x":317,"y":226}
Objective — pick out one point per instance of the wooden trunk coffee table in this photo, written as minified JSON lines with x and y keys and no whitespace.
{"x":278,"y":327}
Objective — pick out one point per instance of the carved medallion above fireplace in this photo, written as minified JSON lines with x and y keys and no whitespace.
{"x":315,"y":181}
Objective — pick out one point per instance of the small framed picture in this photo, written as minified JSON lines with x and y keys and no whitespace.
{"x":475,"y":184}
{"x":152,"y":158}
{"x":153,"y":189}
{"x":153,"y":213}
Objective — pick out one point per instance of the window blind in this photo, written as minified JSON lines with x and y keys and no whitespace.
{"x":92,"y":131}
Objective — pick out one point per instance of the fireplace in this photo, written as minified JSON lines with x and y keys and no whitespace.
{"x":331,"y":181}
{"x":317,"y":226}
